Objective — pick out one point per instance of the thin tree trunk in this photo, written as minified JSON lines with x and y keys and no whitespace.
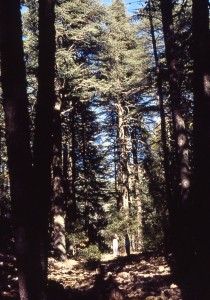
{"x":58,"y":197}
{"x":72,"y":205}
{"x":122,"y":158}
{"x":67,"y":176}
{"x":85,"y":191}
{"x":115,"y":169}
{"x":166,"y":165}
{"x":137,"y":190}
{"x":18,"y":147}
{"x":201,"y":191}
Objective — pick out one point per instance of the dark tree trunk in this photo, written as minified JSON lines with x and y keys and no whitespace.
{"x":166,"y":165}
{"x":65,"y":155}
{"x":201,"y":46}
{"x":18,"y":147}
{"x":181,"y":146}
{"x":43,"y":125}
{"x":180,"y":210}
{"x":85,"y":191}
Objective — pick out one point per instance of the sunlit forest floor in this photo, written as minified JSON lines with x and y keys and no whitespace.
{"x":140,"y":276}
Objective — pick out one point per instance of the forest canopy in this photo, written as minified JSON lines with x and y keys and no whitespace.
{"x":104,"y":130}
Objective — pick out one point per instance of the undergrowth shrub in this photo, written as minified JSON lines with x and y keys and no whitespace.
{"x":91,"y":256}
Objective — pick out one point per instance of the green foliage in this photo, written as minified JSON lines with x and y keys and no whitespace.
{"x":119,"y":223}
{"x":78,"y":29}
{"x":123,"y":57}
{"x":104,"y":62}
{"x":154,"y":210}
{"x":152,"y":227}
{"x":91,"y":256}
{"x":76,"y":239}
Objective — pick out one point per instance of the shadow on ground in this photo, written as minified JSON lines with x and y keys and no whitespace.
{"x":138,"y":277}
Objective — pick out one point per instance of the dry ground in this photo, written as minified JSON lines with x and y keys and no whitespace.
{"x":136,"y":277}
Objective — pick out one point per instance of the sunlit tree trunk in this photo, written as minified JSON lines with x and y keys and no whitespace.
{"x":137,"y":189}
{"x":72,"y":205}
{"x":201,"y":191}
{"x":13,"y":79}
{"x":58,"y":197}
{"x":122,"y":158}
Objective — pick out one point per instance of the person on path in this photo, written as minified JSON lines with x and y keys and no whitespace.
{"x":127,"y":244}
{"x":115,"y":245}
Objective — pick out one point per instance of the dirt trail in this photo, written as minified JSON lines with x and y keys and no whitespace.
{"x":137,"y":277}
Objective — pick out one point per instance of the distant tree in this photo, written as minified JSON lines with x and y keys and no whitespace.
{"x":123,"y":62}
{"x":78,"y":30}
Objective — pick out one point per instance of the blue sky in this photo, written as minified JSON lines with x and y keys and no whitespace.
{"x":131,"y":5}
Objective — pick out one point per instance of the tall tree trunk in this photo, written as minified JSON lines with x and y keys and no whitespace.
{"x":201,"y":45}
{"x":122,"y":170}
{"x":85,"y":191}
{"x":18,"y":147}
{"x":115,"y":170}
{"x":58,"y":197}
{"x":166,"y":157}
{"x":72,"y":205}
{"x":137,"y":190}
{"x":43,"y":125}
{"x":166,"y":165}
{"x":67,"y":176}
{"x":180,"y":210}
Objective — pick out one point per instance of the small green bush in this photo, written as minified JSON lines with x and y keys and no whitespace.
{"x":91,"y":256}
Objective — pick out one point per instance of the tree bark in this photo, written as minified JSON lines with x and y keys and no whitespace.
{"x":85,"y":184}
{"x":43,"y":126}
{"x":137,"y":191}
{"x":166,"y":165}
{"x":122,"y":158}
{"x":18,"y":147}
{"x":72,"y":205}
{"x":180,"y":134}
{"x":58,"y":196}
{"x":201,"y":84}
{"x":180,"y":210}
